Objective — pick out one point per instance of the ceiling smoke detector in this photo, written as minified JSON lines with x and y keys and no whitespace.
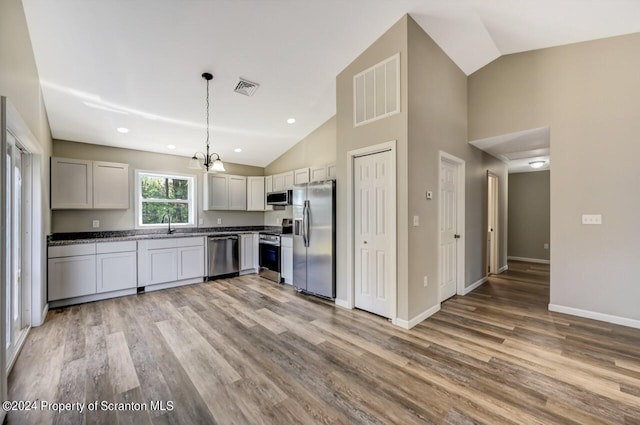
{"x":246,"y":87}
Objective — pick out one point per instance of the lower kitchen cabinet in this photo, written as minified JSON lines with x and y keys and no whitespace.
{"x":162,"y":265}
{"x":190,"y":262}
{"x":286,"y":259}
{"x":116,"y":271}
{"x":171,"y":262}
{"x":72,"y":277}
{"x":249,"y":253}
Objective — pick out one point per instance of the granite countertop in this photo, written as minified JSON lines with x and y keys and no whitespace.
{"x":60,"y":239}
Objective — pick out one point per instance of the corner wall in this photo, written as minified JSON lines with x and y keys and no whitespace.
{"x":588,"y":94}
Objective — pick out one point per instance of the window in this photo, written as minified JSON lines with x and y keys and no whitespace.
{"x":160,"y":193}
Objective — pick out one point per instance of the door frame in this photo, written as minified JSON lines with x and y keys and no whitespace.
{"x":351,"y":156}
{"x":460,"y":246}
{"x":493,"y":260}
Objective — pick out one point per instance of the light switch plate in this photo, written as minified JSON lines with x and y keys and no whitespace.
{"x":416,"y":220}
{"x":219,"y":221}
{"x":591,"y":218}
{"x":201,"y":221}
{"x":96,"y":224}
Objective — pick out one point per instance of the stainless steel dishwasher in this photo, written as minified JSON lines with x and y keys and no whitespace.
{"x":223,"y":256}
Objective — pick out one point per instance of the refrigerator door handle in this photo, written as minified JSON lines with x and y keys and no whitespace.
{"x":305,"y":223}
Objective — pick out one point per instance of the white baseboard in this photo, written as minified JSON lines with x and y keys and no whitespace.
{"x":474,"y":285}
{"x":45,"y":311}
{"x":632,"y":323}
{"x":408,"y":324}
{"x":503,"y":268}
{"x":343,"y":304}
{"x":529,"y":260}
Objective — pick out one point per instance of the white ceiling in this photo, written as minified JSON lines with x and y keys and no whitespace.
{"x":137,"y":64}
{"x":519,"y":149}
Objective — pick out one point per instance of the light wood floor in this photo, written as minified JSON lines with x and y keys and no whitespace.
{"x":247,"y":351}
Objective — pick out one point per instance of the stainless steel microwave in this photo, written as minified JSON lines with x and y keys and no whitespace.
{"x":280,"y":198}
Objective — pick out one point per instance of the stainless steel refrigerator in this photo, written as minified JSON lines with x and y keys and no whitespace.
{"x":314,"y":236}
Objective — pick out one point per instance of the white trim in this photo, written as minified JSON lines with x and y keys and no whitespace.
{"x":351,"y":155}
{"x":193,"y":202}
{"x":159,"y":286}
{"x":474,"y":285}
{"x":461,"y":166}
{"x":503,"y":269}
{"x":45,"y":311}
{"x":93,"y":297}
{"x":343,"y":304}
{"x":408,"y":324}
{"x":624,"y":321}
{"x":529,"y":260}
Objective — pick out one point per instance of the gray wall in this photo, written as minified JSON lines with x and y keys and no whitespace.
{"x":529,"y":215}
{"x":81,"y":220}
{"x":588,"y":94}
{"x":19,"y":81}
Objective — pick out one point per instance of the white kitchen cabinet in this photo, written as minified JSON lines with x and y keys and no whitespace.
{"x":110,"y":185}
{"x":238,"y":193}
{"x":283,"y":181}
{"x":268,"y":188}
{"x":162,"y":265}
{"x":301,"y":176}
{"x":331,"y":171}
{"x":190,"y":262}
{"x":225,"y":192}
{"x":249,"y":252}
{"x":255,"y":194}
{"x":318,"y":174}
{"x":84,"y":184}
{"x":71,"y":277}
{"x":71,"y":183}
{"x":116,"y":271}
{"x":286,"y":259}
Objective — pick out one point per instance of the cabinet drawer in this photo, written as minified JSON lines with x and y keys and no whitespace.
{"x":197,"y":241}
{"x":108,"y":247}
{"x":161,"y":243}
{"x":72,"y":250}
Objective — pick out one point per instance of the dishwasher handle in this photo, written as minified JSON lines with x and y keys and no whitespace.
{"x":221,"y":238}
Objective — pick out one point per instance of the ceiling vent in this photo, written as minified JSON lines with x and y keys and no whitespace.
{"x":246,"y":87}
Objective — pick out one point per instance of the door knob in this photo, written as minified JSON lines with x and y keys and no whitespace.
{"x":365,"y":242}
{"x":456,"y":236}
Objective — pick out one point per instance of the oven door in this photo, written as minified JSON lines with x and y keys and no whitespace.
{"x":270,"y":256}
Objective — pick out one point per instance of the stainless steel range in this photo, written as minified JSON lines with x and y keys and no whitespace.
{"x":270,"y":257}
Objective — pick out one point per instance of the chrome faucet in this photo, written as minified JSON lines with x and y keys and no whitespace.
{"x":168,"y":216}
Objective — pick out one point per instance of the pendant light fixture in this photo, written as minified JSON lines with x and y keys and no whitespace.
{"x":207,"y":162}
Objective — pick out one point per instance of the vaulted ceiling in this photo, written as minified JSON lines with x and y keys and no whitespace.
{"x":137,"y":64}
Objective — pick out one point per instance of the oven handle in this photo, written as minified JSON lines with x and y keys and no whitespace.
{"x":269,"y":243}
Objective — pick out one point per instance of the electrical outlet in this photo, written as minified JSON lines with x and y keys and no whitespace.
{"x":416,"y":220}
{"x":96,"y":224}
{"x":219,"y":221}
{"x":591,"y":219}
{"x":200,"y":221}
{"x":429,"y":194}
{"x":426,"y":281}
{"x":546,"y":246}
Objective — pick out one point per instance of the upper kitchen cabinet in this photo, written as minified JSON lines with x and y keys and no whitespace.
{"x":283,"y":181}
{"x":322,"y":173}
{"x":301,"y":176}
{"x":83,"y":184}
{"x":255,"y":194}
{"x":268,"y":188}
{"x":225,"y":192}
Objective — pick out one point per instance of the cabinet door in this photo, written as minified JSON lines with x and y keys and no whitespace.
{"x":278,"y":183}
{"x":246,"y":252}
{"x":217,"y":192}
{"x":268,"y":188}
{"x":331,"y":171}
{"x":318,"y":174}
{"x":162,"y":265}
{"x":255,"y":194}
{"x":72,"y":277}
{"x":116,"y":271}
{"x":301,"y":176}
{"x":110,"y":185}
{"x":71,"y":184}
{"x":288,"y":180}
{"x":256,"y":251}
{"x":190,"y":262}
{"x":238,"y":193}
{"x":287,"y":264}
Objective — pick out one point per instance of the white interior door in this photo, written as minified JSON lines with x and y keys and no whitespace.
{"x":374,"y":277}
{"x":449,"y":186}
{"x":492,"y":223}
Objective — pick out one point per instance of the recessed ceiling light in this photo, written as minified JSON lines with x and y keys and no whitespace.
{"x":291,"y":120}
{"x":237,"y":150}
{"x":122,"y":130}
{"x":172,"y":147}
{"x":537,"y":164}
